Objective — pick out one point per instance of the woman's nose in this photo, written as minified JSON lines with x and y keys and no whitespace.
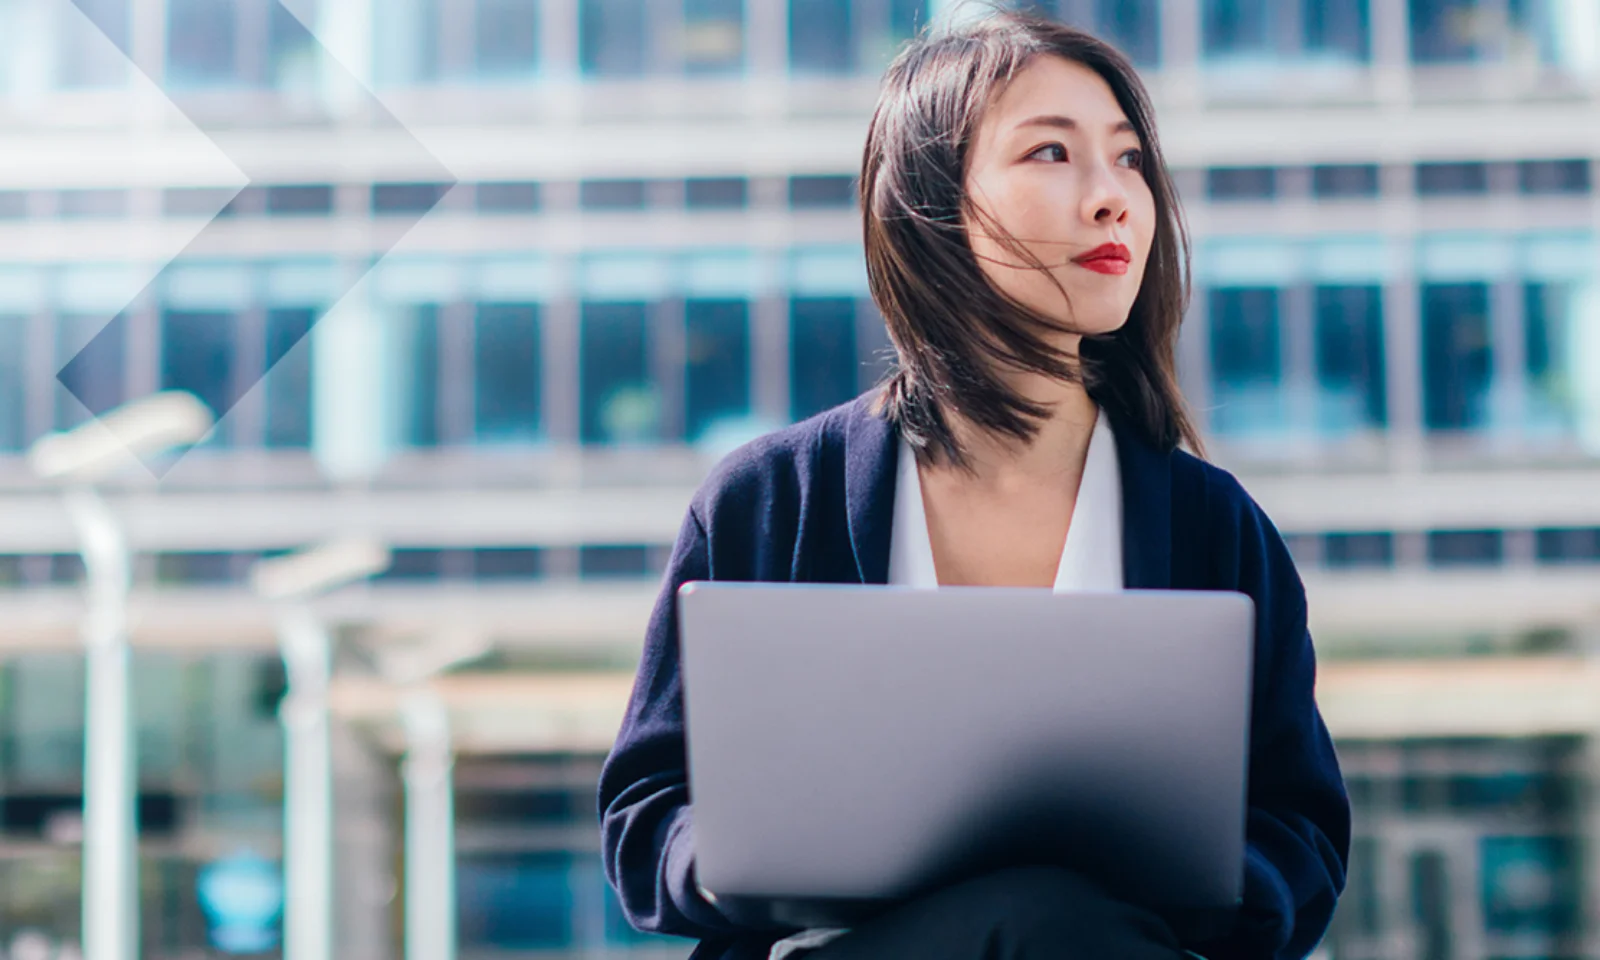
{"x":1104,"y":200}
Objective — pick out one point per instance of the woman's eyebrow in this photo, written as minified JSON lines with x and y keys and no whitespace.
{"x":1067,"y":123}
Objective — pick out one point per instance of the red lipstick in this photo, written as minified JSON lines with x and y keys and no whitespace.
{"x":1111,"y":258}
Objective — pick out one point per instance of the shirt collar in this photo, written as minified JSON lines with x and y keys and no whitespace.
{"x":871,"y":459}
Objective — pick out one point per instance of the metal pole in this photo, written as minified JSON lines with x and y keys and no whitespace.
{"x":308,"y":787}
{"x":110,"y":850}
{"x":430,"y":867}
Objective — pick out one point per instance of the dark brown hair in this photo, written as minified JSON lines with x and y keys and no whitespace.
{"x":954,"y":331}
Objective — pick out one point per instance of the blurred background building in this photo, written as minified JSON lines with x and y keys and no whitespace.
{"x":651,"y":254}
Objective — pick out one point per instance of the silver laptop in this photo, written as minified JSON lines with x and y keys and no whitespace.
{"x":851,"y":746}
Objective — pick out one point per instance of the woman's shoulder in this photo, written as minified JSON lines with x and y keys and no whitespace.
{"x":779,"y":468}
{"x":1233,"y":522}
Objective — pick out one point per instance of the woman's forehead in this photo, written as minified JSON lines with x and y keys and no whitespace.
{"x":1056,"y":89}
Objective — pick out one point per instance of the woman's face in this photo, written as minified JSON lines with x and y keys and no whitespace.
{"x":1057,"y":164}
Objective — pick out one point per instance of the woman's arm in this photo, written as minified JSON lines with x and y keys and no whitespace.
{"x":646,"y":830}
{"x":1298,"y":824}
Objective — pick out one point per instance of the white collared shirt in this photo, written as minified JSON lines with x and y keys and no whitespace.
{"x":1091,"y":559}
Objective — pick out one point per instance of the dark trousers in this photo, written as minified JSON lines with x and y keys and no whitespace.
{"x":1024,"y":913}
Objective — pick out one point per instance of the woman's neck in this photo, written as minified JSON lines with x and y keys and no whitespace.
{"x":1058,"y":448}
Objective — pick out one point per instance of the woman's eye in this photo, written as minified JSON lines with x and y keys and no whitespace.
{"x":1135,"y":158}
{"x":1051,"y":146}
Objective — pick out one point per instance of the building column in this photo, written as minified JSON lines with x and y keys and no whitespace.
{"x":350,"y":420}
{"x":1194,"y":359}
{"x":1391,"y":54}
{"x":1181,"y":54}
{"x":366,"y":845}
{"x":769,"y":341}
{"x":457,"y":373}
{"x":1508,"y":390}
{"x":1297,"y":319}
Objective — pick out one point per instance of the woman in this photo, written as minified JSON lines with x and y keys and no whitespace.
{"x":1024,"y":244}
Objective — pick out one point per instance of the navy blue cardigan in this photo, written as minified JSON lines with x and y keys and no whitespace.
{"x":814,"y":502}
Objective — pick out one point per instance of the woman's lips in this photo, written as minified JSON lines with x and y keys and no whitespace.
{"x":1112,"y":265}
{"x":1112,"y":258}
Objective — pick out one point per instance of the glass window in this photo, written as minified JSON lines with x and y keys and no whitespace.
{"x":159,"y":716}
{"x":237,"y":203}
{"x":414,"y":564}
{"x":44,"y":718}
{"x":89,"y":354}
{"x":1553,"y":176}
{"x":822,"y":354}
{"x":509,"y":197}
{"x":507,"y":38}
{"x":1238,"y":26}
{"x":1575,"y":545}
{"x":1456,"y":361}
{"x":1530,"y":885}
{"x":1344,"y":180}
{"x":300,"y":199}
{"x":1450,"y":31}
{"x":1452,"y":179}
{"x":207,"y":567}
{"x":1246,"y":360}
{"x":1132,"y":26}
{"x":717,"y":370}
{"x":515,"y":901}
{"x":417,"y":373}
{"x":288,"y":381}
{"x":197,"y":355}
{"x":1430,"y":905}
{"x":507,"y":363}
{"x":202,"y":48}
{"x":507,"y":563}
{"x":13,"y":389}
{"x":405,"y":43}
{"x":66,"y":568}
{"x":1548,"y":315}
{"x":1337,"y":29}
{"x":716,"y":192}
{"x":612,"y":194}
{"x":1241,"y":183}
{"x":713,"y":35}
{"x":204,"y":202}
{"x":1448,"y":548}
{"x":13,"y":204}
{"x":600,"y":562}
{"x":293,"y":54}
{"x":619,"y":402}
{"x":613,"y":37}
{"x":407,"y":197}
{"x":90,"y":50}
{"x":89,"y":204}
{"x":1350,"y":377}
{"x":820,"y":36}
{"x":1342,"y":550}
{"x":822,"y":191}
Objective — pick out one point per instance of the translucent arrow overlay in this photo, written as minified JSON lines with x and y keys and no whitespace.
{"x":344,"y":103}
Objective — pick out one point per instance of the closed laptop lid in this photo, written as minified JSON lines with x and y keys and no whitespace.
{"x":868,"y":742}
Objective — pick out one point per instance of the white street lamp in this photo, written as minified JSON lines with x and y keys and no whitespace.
{"x":76,"y":459}
{"x":430,"y":852}
{"x":290,"y":582}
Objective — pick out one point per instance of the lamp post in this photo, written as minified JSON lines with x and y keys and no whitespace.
{"x":430,"y":853}
{"x":290,"y":582}
{"x":76,"y":459}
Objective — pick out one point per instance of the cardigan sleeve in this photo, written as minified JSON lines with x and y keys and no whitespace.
{"x":1297,"y":830}
{"x":647,"y":831}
